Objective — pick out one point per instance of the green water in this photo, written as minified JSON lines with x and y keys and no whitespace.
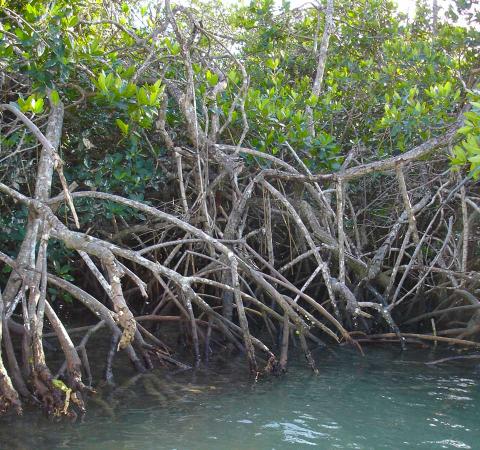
{"x":385,"y":400}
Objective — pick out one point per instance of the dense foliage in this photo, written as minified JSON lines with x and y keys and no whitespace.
{"x":387,"y":85}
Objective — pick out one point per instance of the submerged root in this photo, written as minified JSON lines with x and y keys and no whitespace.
{"x":9,"y":398}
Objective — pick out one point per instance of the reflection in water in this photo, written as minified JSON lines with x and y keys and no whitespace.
{"x":384,"y":400}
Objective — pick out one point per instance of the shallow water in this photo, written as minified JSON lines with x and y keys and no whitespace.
{"x":385,"y":400}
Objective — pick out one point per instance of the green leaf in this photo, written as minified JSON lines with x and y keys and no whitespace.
{"x":110,"y":80}
{"x":273,"y":63}
{"x":119,"y":173}
{"x":54,"y":97}
{"x":130,"y":90}
{"x":101,"y":81}
{"x":197,"y":68}
{"x":118,"y":83}
{"x":38,"y":106}
{"x":464,"y":130}
{"x":123,"y":126}
{"x":459,"y":158}
{"x":174,"y":48}
{"x":31,"y":9}
{"x":153,"y":98}
{"x":447,"y":88}
{"x":312,"y":101}
{"x":59,"y":384}
{"x":155,"y":91}
{"x":142,"y":97}
{"x":31,"y":104}
{"x":471,"y":145}
{"x":212,"y":78}
{"x":22,"y":104}
{"x":233,"y":76}
{"x":471,"y":116}
{"x":474,"y":159}
{"x":73,"y":21}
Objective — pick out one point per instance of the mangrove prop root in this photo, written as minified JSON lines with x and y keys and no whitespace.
{"x":246,"y":238}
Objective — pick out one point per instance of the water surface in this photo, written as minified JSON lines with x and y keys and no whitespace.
{"x":385,"y":400}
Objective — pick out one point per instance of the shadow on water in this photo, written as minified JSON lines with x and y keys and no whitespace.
{"x":385,"y":400}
